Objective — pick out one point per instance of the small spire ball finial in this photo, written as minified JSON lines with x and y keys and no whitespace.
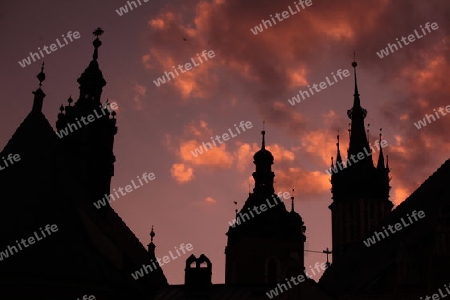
{"x":41,"y":75}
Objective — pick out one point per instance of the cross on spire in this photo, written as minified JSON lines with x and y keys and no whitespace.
{"x":98,"y":32}
{"x":97,"y":43}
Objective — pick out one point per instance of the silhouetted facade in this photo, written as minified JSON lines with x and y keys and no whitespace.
{"x":380,"y":254}
{"x":265,"y":250}
{"x":277,"y":235}
{"x":360,"y":192}
{"x":56,"y":182}
{"x":91,"y":251}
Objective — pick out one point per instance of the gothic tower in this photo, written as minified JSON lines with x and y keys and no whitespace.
{"x":90,"y":128}
{"x":360,"y":190}
{"x":266,"y":243}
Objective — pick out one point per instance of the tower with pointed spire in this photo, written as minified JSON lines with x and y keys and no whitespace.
{"x":264,"y":226}
{"x":360,"y":191}
{"x":70,"y":173}
{"x":90,"y":144}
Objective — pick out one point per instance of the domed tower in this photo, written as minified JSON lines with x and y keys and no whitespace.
{"x":263,"y":175}
{"x":360,"y":190}
{"x":86,"y":130}
{"x":265,"y":242}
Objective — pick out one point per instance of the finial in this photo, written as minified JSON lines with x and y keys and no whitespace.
{"x":152,"y":235}
{"x":354,"y":65}
{"x":292,"y":200}
{"x":70,"y":100}
{"x":97,"y":43}
{"x":98,"y":32}
{"x":41,"y":75}
{"x":263,"y":132}
{"x":338,"y":153}
{"x":332,"y":161}
{"x":381,"y":129}
{"x":337,"y":144}
{"x":236,"y":210}
{"x":368,"y":132}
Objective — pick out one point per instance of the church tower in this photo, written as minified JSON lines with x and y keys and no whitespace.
{"x":90,"y":127}
{"x":266,"y":243}
{"x":360,"y":191}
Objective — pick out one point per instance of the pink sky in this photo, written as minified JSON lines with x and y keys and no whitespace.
{"x":250,"y":78}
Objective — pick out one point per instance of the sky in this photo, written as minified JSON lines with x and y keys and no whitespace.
{"x":251,"y":77}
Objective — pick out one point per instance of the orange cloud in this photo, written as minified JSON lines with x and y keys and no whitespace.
{"x":181,"y":173}
{"x":280,"y":153}
{"x":399,"y":195}
{"x":199,"y":129}
{"x":306,"y":184}
{"x":217,"y":157}
{"x":244,"y":156}
{"x":297,"y":77}
{"x":210,"y":200}
{"x":140,"y":91}
{"x":320,"y":144}
{"x":163,"y":21}
{"x":336,"y":29}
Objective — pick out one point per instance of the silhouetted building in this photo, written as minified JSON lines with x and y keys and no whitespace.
{"x":404,"y":254}
{"x":265,"y":250}
{"x":196,"y":274}
{"x":56,"y":182}
{"x":360,"y":190}
{"x":81,"y":249}
{"x":277,"y":235}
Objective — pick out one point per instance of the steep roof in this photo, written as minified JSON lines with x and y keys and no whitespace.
{"x":93,"y":250}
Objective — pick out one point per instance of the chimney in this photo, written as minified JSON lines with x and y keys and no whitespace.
{"x":197,"y":276}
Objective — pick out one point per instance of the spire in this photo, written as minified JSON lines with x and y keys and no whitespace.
{"x":151,"y":246}
{"x":92,"y":81}
{"x":263,"y":132}
{"x":357,"y":114}
{"x":39,"y":95}
{"x":263,"y":174}
{"x":338,"y":156}
{"x":292,"y":201}
{"x":380,"y":164}
{"x":354,"y":65}
{"x":97,"y":43}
